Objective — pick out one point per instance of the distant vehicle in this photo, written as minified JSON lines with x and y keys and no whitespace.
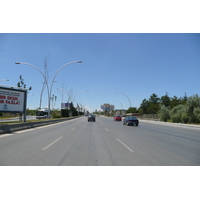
{"x":42,"y":114}
{"x":117,"y":118}
{"x":41,"y":117}
{"x":91,"y":118}
{"x":130,"y":120}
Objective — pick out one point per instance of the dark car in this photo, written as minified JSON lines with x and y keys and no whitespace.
{"x":131,"y":121}
{"x":117,"y":118}
{"x":91,"y":118}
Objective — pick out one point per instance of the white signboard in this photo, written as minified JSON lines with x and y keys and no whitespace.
{"x":12,"y":100}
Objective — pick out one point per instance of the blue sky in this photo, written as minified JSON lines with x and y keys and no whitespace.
{"x":135,"y":64}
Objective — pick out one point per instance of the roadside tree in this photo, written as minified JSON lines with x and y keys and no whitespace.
{"x":193,"y":107}
{"x":164,"y":113}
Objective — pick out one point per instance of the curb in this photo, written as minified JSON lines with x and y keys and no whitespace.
{"x":172,"y":124}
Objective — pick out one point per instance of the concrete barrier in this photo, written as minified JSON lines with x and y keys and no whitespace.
{"x":9,"y":128}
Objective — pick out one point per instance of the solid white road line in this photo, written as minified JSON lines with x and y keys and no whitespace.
{"x":52,"y":143}
{"x":125,"y":145}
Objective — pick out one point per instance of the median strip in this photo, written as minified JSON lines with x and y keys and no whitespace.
{"x":9,"y":128}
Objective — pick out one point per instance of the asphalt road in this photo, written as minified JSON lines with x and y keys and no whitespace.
{"x":101,"y":143}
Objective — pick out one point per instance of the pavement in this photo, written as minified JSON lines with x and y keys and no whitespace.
{"x":102,"y":143}
{"x":171,"y":124}
{"x":168,"y":123}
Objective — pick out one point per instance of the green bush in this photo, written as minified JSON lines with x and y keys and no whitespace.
{"x":64,"y":113}
{"x":178,"y":114}
{"x":164,"y":113}
{"x":196,"y":113}
{"x":193,"y":106}
{"x":75,"y":113}
{"x":56,"y":114}
{"x":184,"y":117}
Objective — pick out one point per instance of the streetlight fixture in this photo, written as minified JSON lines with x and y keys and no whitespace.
{"x":79,"y":61}
{"x":44,"y":80}
{"x":78,"y":93}
{"x":80,"y":103}
{"x":49,"y":91}
{"x":4,"y":80}
{"x":55,"y":77}
{"x":121,"y":105}
{"x":128,"y":99}
{"x":69,"y":97}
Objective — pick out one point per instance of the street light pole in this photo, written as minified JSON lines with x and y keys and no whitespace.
{"x":78,"y":93}
{"x":80,"y":103}
{"x":128,"y":99}
{"x":121,"y":105}
{"x":57,"y":73}
{"x":49,"y":91}
{"x":69,"y":97}
{"x":43,"y":77}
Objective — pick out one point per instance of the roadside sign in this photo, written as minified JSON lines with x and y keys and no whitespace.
{"x":12,"y":100}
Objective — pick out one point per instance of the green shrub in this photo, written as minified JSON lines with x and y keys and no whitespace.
{"x":178,"y":114}
{"x":164,"y":113}
{"x":196,"y":113}
{"x":193,"y":106}
{"x":75,"y":113}
{"x":55,"y":114}
{"x":184,"y":117}
{"x":64,"y":113}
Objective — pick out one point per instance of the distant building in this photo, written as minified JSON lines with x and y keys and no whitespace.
{"x":107,"y":106}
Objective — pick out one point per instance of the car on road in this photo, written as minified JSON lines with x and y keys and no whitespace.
{"x":130,"y":120}
{"x":117,"y":118}
{"x":91,"y":118}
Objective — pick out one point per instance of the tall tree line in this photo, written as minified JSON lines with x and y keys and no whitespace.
{"x":180,"y":110}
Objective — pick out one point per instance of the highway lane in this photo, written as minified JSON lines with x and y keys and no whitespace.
{"x":101,"y":143}
{"x":156,"y":144}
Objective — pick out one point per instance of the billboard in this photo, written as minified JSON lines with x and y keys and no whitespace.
{"x":65,"y":105}
{"x":12,"y":100}
{"x":107,"y":107}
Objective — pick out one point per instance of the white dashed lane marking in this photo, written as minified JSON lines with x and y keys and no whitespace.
{"x":45,"y":148}
{"x":125,"y":145}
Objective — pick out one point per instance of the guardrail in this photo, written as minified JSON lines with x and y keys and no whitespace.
{"x":9,"y":128}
